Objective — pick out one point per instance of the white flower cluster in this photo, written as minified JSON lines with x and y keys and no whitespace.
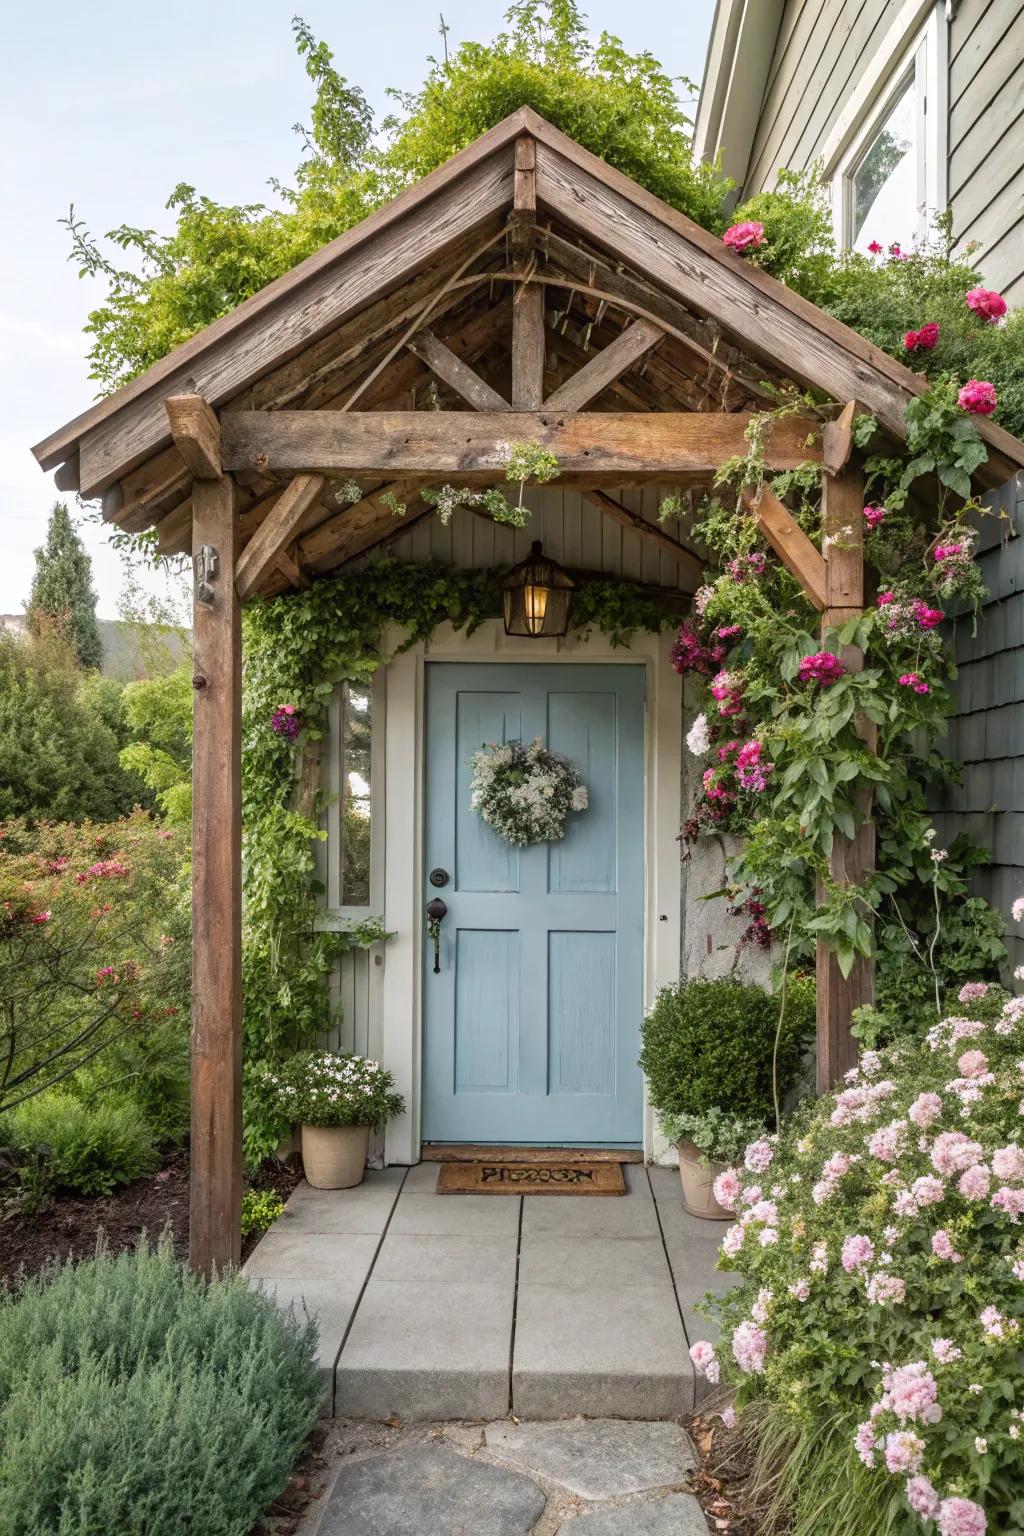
{"x":525,"y":792}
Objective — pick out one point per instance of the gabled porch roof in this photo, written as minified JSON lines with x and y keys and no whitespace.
{"x":642,"y":309}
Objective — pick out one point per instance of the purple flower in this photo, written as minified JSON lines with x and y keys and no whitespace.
{"x":286,"y":721}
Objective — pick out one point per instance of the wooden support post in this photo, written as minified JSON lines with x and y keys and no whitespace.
{"x":215,"y":1206}
{"x":842,"y":502}
{"x":528,"y":299}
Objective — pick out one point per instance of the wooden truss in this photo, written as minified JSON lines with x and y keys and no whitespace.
{"x":523,"y":292}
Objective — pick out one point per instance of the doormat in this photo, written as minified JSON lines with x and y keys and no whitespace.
{"x":552,"y":1178}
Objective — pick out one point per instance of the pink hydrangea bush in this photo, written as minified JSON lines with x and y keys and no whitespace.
{"x":880,"y":1255}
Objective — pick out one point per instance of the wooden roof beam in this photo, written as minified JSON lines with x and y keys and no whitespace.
{"x":780,"y":529}
{"x":690,"y":568}
{"x":465,"y":381}
{"x":196,"y":433}
{"x":275,"y":533}
{"x":606,"y":367}
{"x":469,"y":446}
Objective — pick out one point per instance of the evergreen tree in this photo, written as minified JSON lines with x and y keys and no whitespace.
{"x":62,"y":589}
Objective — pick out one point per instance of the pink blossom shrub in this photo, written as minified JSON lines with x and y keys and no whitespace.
{"x":891,"y":1297}
{"x":744,"y":237}
{"x":988,"y":305}
{"x":978,"y":398}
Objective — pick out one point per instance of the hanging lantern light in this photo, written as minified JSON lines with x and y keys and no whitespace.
{"x":536,"y":596}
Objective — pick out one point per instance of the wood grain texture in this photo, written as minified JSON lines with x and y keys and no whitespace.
{"x":472,"y":445}
{"x":275,"y":532}
{"x":852,"y":859}
{"x":465,"y":380}
{"x":216,"y":1138}
{"x":769,"y":320}
{"x":781,"y":530}
{"x":837,"y":439}
{"x":608,"y":365}
{"x":528,"y":347}
{"x":123,"y":439}
{"x":196,"y":433}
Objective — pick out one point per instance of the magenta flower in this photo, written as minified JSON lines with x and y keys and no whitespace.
{"x":914,"y":680}
{"x":876,"y":248}
{"x":978,"y":397}
{"x":928,"y":618}
{"x":286,"y":721}
{"x":988,"y":305}
{"x":873,"y":516}
{"x":823,"y":668}
{"x":884,"y":599}
{"x":927,"y":336}
{"x":746,"y":236}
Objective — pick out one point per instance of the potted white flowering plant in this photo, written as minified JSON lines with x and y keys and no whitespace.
{"x":337,"y":1099}
{"x":707,"y":1143}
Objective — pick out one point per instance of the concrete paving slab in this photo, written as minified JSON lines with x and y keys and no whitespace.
{"x":365,"y":1208}
{"x":427,"y":1351}
{"x":444,"y":1258}
{"x":607,"y":1354}
{"x":422,"y":1179}
{"x":677,"y":1515}
{"x":693,"y":1246}
{"x":429,"y":1490}
{"x":630,"y":1215}
{"x":481,"y":1215}
{"x":298,"y":1258}
{"x":588,"y":1263}
{"x":596,"y":1458}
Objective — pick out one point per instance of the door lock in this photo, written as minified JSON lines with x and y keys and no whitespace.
{"x":437,"y":911}
{"x":438,"y":877}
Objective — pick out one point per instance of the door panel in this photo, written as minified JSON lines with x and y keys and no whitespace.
{"x":532,"y":1027}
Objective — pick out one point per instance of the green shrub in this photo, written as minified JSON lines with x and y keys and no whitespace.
{"x":708,"y":1045}
{"x":86,"y":1147}
{"x":136,"y":1398}
{"x":260,"y":1209}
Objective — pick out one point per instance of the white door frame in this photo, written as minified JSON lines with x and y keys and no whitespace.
{"x":401,"y":999}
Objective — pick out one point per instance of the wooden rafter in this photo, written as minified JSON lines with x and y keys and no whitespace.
{"x":448,"y":366}
{"x":528,"y":299}
{"x":690,"y":568}
{"x":468,"y":447}
{"x":276,"y":532}
{"x":196,"y":433}
{"x":606,"y":367}
{"x":780,"y":529}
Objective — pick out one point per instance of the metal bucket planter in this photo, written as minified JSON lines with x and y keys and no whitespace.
{"x":698,"y":1178}
{"x":334,"y":1156}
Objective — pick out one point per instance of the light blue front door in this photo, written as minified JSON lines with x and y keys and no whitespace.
{"x":532,"y":1026}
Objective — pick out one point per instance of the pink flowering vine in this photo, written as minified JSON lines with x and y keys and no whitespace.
{"x":923,"y":340}
{"x":823,"y":668}
{"x":874,"y":516}
{"x":746,"y":236}
{"x":988,"y":305}
{"x":977,"y":397}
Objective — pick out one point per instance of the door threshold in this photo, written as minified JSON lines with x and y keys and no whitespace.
{"x":476,"y":1152}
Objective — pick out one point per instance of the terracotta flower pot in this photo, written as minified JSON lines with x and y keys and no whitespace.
{"x":334,"y":1156}
{"x":698,"y":1179}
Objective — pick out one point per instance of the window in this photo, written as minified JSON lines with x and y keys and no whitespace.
{"x":887,"y":153}
{"x":356,"y":726}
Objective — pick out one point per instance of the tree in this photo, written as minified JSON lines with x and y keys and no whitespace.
{"x":62,"y":589}
{"x":60,"y":732}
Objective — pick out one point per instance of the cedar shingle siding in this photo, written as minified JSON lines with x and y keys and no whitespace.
{"x":987,"y":735}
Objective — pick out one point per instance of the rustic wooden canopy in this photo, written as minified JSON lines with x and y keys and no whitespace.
{"x":524,"y":291}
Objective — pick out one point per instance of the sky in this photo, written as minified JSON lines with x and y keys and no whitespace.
{"x":110,"y":105}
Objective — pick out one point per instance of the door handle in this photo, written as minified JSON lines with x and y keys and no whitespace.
{"x":437,"y":911}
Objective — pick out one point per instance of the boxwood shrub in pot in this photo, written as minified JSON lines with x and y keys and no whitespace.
{"x":709,"y":1045}
{"x":337,"y":1099}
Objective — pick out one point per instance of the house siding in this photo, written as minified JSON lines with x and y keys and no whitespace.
{"x":986,"y":124}
{"x":986,"y":733}
{"x":823,"y":50}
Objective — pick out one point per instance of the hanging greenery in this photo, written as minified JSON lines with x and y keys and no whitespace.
{"x":782,"y":732}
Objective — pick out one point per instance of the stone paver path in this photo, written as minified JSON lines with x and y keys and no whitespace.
{"x":437,"y":1307}
{"x":577,"y":1478}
